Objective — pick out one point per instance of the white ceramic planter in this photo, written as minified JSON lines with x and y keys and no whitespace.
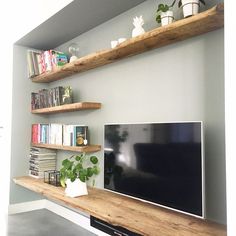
{"x":76,"y":188}
{"x":167,"y":18}
{"x":190,"y":7}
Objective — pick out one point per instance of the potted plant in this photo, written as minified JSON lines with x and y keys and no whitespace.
{"x":190,"y":7}
{"x":75,"y":171}
{"x":165,"y":15}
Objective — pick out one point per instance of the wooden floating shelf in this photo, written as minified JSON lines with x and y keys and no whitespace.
{"x":89,"y":148}
{"x":68,"y":108}
{"x":135,"y":215}
{"x":201,"y":23}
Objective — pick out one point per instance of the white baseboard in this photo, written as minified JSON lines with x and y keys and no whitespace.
{"x":26,"y":206}
{"x":79,"y":219}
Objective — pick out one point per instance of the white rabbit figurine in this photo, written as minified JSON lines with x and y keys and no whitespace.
{"x":138,"y":23}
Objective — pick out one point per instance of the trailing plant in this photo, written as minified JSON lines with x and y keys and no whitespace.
{"x":163,"y":8}
{"x":180,"y":2}
{"x":78,"y":166}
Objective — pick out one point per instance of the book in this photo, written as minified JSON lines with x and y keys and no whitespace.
{"x":55,"y":134}
{"x":51,"y":97}
{"x":68,"y":135}
{"x":40,"y":160}
{"x":58,"y":59}
{"x":34,"y":62}
{"x":80,"y":135}
{"x":47,"y":60}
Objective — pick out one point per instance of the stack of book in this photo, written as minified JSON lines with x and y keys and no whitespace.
{"x":51,"y":97}
{"x":41,"y":159}
{"x":42,"y":61}
{"x":60,"y":134}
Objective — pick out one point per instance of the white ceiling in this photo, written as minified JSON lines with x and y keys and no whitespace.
{"x":76,"y":18}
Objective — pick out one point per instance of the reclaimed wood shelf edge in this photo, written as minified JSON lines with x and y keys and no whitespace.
{"x":68,"y":108}
{"x":209,"y":20}
{"x":135,"y":215}
{"x":88,"y":148}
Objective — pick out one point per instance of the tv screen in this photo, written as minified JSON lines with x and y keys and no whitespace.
{"x":158,"y":162}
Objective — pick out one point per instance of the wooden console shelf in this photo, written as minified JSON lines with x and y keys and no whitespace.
{"x":137,"y":216}
{"x":89,"y":148}
{"x":68,"y":108}
{"x":201,"y":23}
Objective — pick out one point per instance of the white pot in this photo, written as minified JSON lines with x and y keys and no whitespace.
{"x":190,"y":7}
{"x":167,"y":18}
{"x":76,"y":188}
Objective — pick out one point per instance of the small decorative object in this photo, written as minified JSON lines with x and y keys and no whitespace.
{"x":52,"y":177}
{"x":73,"y":50}
{"x":114,"y":43}
{"x":121,"y":40}
{"x":75,"y":171}
{"x":190,"y":7}
{"x":165,"y":14}
{"x":66,"y":95}
{"x":138,"y":23}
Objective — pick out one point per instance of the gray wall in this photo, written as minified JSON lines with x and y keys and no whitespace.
{"x":180,"y":82}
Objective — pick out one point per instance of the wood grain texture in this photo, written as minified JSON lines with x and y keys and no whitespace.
{"x":201,"y":23}
{"x":135,"y":215}
{"x":68,"y":108}
{"x":89,"y":148}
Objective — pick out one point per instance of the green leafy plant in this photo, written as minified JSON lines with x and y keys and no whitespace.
{"x":180,"y":2}
{"x":163,"y":8}
{"x":78,"y":166}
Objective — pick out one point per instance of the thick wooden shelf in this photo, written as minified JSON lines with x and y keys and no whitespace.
{"x":137,"y":216}
{"x":201,"y":23}
{"x":68,"y":108}
{"x":89,"y":148}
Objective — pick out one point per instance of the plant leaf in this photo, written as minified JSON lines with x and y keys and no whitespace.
{"x":95,"y":170}
{"x":158,"y":19}
{"x":160,"y":7}
{"x":90,"y":171}
{"x":73,"y":178}
{"x":179,"y":3}
{"x":203,"y":2}
{"x":94,"y":159}
{"x":78,"y":158}
{"x":62,"y":181}
{"x":173,"y":3}
{"x":78,"y":167}
{"x":82,"y":177}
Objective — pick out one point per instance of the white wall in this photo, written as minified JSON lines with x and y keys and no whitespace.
{"x":14,"y":24}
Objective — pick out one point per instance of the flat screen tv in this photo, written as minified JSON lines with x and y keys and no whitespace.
{"x":161,"y":163}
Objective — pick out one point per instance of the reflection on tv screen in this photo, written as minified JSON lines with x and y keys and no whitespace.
{"x":158,"y":162}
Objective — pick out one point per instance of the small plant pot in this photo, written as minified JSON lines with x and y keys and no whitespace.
{"x":76,"y":188}
{"x":167,"y":18}
{"x":190,"y":7}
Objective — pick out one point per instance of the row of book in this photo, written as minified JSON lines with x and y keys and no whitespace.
{"x":42,"y":61}
{"x":60,"y":134}
{"x":41,"y":160}
{"x":51,"y":97}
